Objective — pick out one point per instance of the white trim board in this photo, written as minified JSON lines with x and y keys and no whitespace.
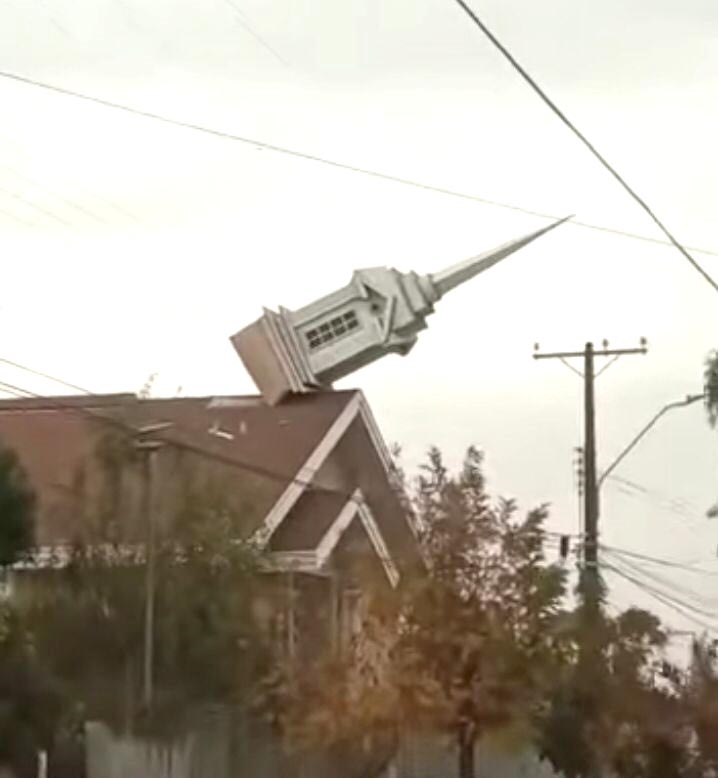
{"x":315,"y":561}
{"x":316,"y":459}
{"x":384,"y":455}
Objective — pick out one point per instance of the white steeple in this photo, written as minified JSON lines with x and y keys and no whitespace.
{"x":379,"y":312}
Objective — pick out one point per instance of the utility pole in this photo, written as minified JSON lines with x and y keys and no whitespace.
{"x":590,"y":496}
{"x":578,"y":462}
{"x":148,"y":448}
{"x":590,"y":484}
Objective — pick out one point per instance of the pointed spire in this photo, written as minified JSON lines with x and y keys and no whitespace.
{"x":452,"y":276}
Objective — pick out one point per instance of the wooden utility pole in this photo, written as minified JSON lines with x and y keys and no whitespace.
{"x":148,"y":509}
{"x":148,"y":448}
{"x":590,"y":484}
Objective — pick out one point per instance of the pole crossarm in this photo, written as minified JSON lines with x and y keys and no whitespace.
{"x":601,"y":353}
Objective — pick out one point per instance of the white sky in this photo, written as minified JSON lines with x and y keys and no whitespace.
{"x":133,"y":247}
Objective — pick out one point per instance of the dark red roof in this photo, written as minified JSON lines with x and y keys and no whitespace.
{"x":54,"y":437}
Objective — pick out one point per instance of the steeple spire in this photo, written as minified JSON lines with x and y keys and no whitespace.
{"x":449,"y":278}
{"x":381,"y":311}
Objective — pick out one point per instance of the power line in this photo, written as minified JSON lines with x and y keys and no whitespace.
{"x":335,"y":163}
{"x":562,"y":116}
{"x":36,"y":207}
{"x":660,"y":580}
{"x":682,"y":608}
{"x":20,"y":151}
{"x":659,"y":561}
{"x":674,"y":502}
{"x":243,"y":21}
{"x":16,"y":218}
{"x":44,"y":375}
{"x":66,"y":201}
{"x":666,"y":595}
{"x":676,"y":508}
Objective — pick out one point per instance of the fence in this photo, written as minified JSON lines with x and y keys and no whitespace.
{"x":229,"y":744}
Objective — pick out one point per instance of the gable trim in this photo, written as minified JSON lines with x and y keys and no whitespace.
{"x":377,"y":540}
{"x":315,"y":561}
{"x":385,"y":456}
{"x":305,"y":475}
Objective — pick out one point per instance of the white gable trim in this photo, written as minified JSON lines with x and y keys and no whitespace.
{"x":357,"y":505}
{"x":374,"y":434}
{"x":377,"y":540}
{"x":297,"y":487}
{"x":384,"y":455}
{"x":338,"y":527}
{"x":315,"y":561}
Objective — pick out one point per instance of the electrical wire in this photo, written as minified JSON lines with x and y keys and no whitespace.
{"x":672,"y":586}
{"x":45,"y":375}
{"x":658,"y":561}
{"x":243,"y":21}
{"x":678,"y":505}
{"x":680,"y":517}
{"x":571,"y":126}
{"x":19,"y":151}
{"x":668,"y":602}
{"x":16,"y":218}
{"x":654,"y":591}
{"x":333,"y":163}
{"x":66,"y":201}
{"x":35,"y":206}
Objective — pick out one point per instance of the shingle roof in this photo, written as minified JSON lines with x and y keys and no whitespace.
{"x":55,"y":436}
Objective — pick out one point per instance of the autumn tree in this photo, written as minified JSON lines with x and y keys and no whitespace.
{"x":468,"y":646}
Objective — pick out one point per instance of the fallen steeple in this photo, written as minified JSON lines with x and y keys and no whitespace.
{"x":379,"y":312}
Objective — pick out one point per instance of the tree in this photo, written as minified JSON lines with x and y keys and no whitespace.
{"x":623,"y":714}
{"x":468,"y":646}
{"x":17,"y":510}
{"x":31,"y":705}
{"x":701,"y":701}
{"x":710,"y":382}
{"x":207,"y":644}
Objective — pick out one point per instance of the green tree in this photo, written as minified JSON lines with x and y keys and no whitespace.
{"x":710,"y":382}
{"x":701,"y":701}
{"x":208,"y":646}
{"x":31,"y":705}
{"x":17,"y":510}
{"x":622,"y":714}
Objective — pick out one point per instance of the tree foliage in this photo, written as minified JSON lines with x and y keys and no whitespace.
{"x":482,"y":643}
{"x":17,"y":509}
{"x":31,"y":705}
{"x":710,"y":381}
{"x":614,"y":715}
{"x":468,"y":645}
{"x":87,"y":615}
{"x":701,"y":700}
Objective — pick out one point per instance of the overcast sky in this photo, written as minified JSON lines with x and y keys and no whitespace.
{"x":132,"y":247}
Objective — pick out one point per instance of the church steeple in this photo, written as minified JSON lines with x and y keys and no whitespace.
{"x":452,"y":276}
{"x":379,"y":312}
